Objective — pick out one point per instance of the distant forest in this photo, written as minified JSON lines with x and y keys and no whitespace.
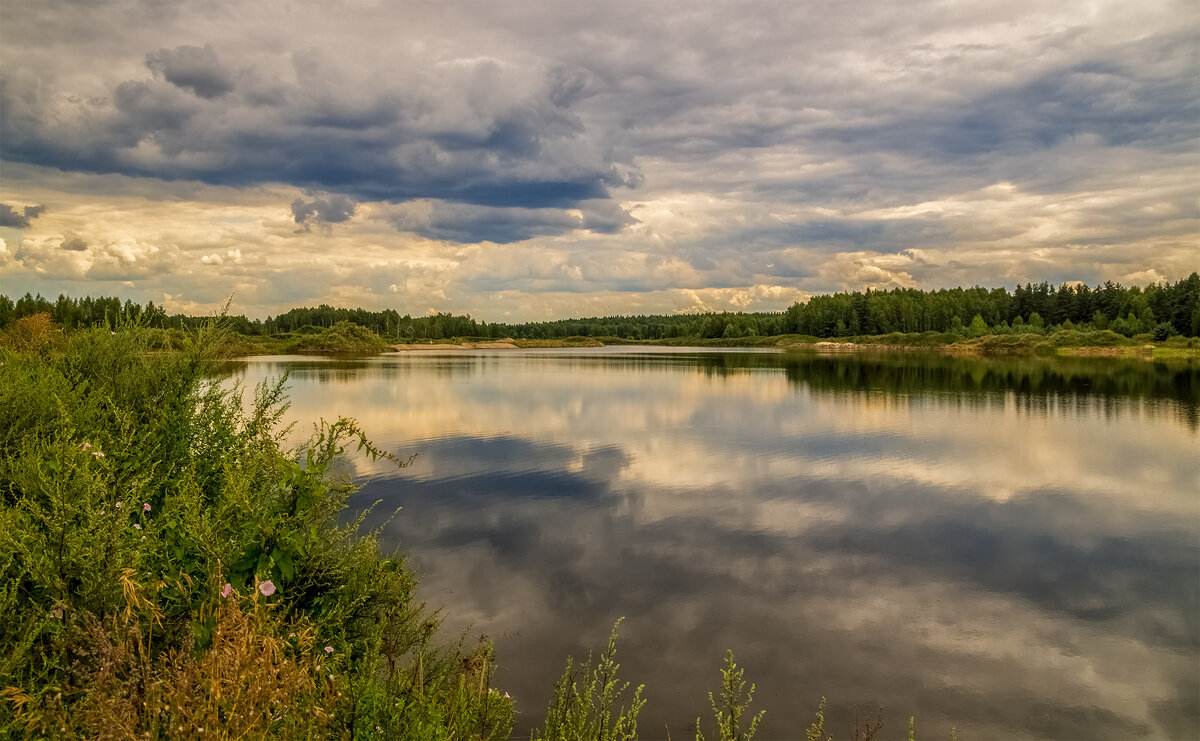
{"x":1161,"y":309}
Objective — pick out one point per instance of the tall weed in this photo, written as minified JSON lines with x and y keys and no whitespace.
{"x":586,"y":701}
{"x":166,"y":564}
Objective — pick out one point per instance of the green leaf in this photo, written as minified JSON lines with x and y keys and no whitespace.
{"x":202,"y":630}
{"x":283,"y":562}
{"x":247,"y":561}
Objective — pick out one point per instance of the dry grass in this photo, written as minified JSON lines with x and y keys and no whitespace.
{"x":261,"y":677}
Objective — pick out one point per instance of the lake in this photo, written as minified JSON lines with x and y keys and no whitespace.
{"x":1010,"y":547}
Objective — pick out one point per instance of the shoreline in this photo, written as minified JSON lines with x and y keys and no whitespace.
{"x":1043,"y":346}
{"x":506,"y":343}
{"x":1143,"y":352}
{"x":1135,"y":352}
{"x":498,"y":345}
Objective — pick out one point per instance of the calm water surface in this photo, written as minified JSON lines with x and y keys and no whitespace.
{"x":1008,"y":547}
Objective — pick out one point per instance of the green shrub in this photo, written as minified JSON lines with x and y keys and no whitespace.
{"x":1179,"y":341}
{"x":160,"y":552}
{"x":1066,"y":338}
{"x":341,"y":338}
{"x":585,"y":701}
{"x":1104,"y":338}
{"x":1092,"y":338}
{"x":1164,"y":331}
{"x":1010,"y":344}
{"x":734,"y":704}
{"x":29,"y":333}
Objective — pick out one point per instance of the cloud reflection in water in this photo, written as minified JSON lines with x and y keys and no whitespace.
{"x":1004,"y":546}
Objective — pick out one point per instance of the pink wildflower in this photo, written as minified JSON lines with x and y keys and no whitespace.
{"x":118,"y":505}
{"x":267,"y":588}
{"x":329,"y":649}
{"x":137,"y":526}
{"x":85,"y":446}
{"x":97,"y":453}
{"x":227,"y":590}
{"x":146,"y":506}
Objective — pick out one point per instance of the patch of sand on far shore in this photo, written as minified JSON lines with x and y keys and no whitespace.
{"x":497,"y":345}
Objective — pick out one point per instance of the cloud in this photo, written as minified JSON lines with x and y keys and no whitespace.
{"x":193,"y":68}
{"x":75,"y":244}
{"x":123,"y":260}
{"x":1136,"y":95}
{"x":467,"y":130}
{"x":468,"y":223}
{"x":693,"y":149}
{"x":329,"y":209}
{"x":10,"y":217}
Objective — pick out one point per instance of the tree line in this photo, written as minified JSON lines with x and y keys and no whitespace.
{"x":1163,"y":309}
{"x":1128,"y":311}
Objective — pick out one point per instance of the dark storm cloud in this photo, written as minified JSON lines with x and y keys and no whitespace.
{"x":333,"y":209}
{"x":150,"y":109}
{"x":929,"y":131}
{"x":568,"y":84}
{"x":1114,"y":103}
{"x":467,"y":223}
{"x":74,"y":244}
{"x":837,"y":231}
{"x":475,"y":132}
{"x":19,"y":219}
{"x":194,"y":68}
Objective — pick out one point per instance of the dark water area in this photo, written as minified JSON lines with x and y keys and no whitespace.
{"x":1010,"y":547}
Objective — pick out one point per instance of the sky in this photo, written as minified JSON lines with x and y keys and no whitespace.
{"x":540,"y":160}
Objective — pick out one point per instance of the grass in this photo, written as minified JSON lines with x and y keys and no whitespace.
{"x":166,"y":565}
{"x":564,"y":342}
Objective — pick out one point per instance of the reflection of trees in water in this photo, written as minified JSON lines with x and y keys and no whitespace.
{"x":1035,"y":385}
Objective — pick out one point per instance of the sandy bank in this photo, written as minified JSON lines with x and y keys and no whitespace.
{"x":498,"y":345}
{"x":857,"y":347}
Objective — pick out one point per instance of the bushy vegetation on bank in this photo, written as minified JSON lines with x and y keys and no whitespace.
{"x":168,"y":569}
{"x":341,"y":338}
